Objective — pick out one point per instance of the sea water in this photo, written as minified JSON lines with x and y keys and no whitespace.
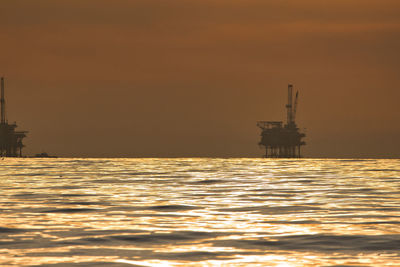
{"x":199,"y":212}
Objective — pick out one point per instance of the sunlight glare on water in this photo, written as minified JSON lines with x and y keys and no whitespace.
{"x":199,"y":212}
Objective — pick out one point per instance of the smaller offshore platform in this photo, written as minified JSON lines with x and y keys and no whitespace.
{"x":283,"y":141}
{"x":10,"y":140}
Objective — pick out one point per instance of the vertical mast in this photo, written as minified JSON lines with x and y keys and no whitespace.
{"x":2,"y":101}
{"x":289,"y":105}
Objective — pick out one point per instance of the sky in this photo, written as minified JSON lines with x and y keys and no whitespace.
{"x":178,"y":78}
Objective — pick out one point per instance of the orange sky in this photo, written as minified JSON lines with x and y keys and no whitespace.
{"x":175,"y":78}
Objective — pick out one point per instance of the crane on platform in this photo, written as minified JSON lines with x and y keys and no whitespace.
{"x":295,"y":107}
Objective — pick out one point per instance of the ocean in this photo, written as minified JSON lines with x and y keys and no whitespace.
{"x":199,"y":212}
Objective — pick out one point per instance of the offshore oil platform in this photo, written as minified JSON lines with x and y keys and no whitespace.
{"x":282,"y":141}
{"x":10,"y":140}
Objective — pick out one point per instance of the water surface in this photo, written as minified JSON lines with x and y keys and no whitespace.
{"x":199,"y":212}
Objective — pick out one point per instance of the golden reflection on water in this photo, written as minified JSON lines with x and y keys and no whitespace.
{"x":200,"y":212}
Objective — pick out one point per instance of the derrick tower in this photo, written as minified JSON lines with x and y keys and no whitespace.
{"x":10,"y":140}
{"x":283,"y":141}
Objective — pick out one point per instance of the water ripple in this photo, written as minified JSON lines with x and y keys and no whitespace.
{"x":199,"y":212}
